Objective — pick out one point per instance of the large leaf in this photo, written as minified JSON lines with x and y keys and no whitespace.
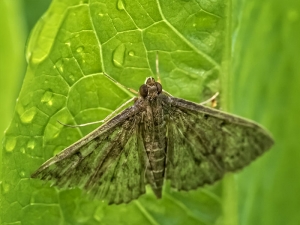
{"x":69,"y":51}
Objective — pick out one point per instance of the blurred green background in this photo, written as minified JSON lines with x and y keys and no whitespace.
{"x":17,"y":18}
{"x":263,"y":84}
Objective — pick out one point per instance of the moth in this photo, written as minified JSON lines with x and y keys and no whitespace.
{"x":159,"y":137}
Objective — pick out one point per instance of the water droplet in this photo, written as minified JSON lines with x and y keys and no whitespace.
{"x":59,"y":66}
{"x":28,"y":115}
{"x":5,"y":187}
{"x":29,"y":56}
{"x":120,"y":5}
{"x":99,"y":215}
{"x":101,"y":14}
{"x":118,"y":55}
{"x":194,"y":24}
{"x":68,"y":43}
{"x":22,"y":150}
{"x":131,"y":53}
{"x":47,"y":97}
{"x":22,"y":174}
{"x":72,"y":78}
{"x":31,"y":144}
{"x":10,"y":144}
{"x":80,"y":49}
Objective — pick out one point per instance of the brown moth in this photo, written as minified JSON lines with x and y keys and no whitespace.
{"x":159,"y":137}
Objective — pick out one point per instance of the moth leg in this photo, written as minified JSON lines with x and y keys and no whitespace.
{"x":211,"y":100}
{"x":157,"y":67}
{"x":119,"y":109}
{"x":80,"y":125}
{"x":127,"y":88}
{"x":167,"y":93}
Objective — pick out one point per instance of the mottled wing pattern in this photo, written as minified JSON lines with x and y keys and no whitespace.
{"x":204,"y":143}
{"x":109,"y":165}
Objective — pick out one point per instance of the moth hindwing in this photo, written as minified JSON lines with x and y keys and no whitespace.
{"x":159,"y":137}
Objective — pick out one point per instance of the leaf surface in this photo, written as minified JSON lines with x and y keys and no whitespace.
{"x":68,"y":52}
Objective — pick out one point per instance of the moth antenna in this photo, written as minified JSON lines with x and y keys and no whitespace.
{"x":106,"y":118}
{"x":157,"y":67}
{"x":81,"y":125}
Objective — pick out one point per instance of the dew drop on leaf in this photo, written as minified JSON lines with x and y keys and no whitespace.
{"x":5,"y":188}
{"x":22,"y":174}
{"x":10,"y":144}
{"x":131,"y":53}
{"x":61,"y":69}
{"x":118,"y":55}
{"x":47,"y":97}
{"x":99,"y":215}
{"x":120,"y":5}
{"x":80,"y":49}
{"x":71,"y":77}
{"x":59,"y":66}
{"x":31,"y":144}
{"x":28,"y":115}
{"x":22,"y":150}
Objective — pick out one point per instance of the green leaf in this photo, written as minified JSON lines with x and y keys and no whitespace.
{"x":68,"y":52}
{"x":263,"y":85}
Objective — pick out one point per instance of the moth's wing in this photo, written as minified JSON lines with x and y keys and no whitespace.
{"x":204,"y":143}
{"x":109,"y":163}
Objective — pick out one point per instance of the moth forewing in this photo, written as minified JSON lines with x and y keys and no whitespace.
{"x":210,"y":143}
{"x":72,"y":149}
{"x":159,"y":137}
{"x":208,"y":111}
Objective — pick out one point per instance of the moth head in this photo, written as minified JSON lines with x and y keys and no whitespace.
{"x":151,"y":88}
